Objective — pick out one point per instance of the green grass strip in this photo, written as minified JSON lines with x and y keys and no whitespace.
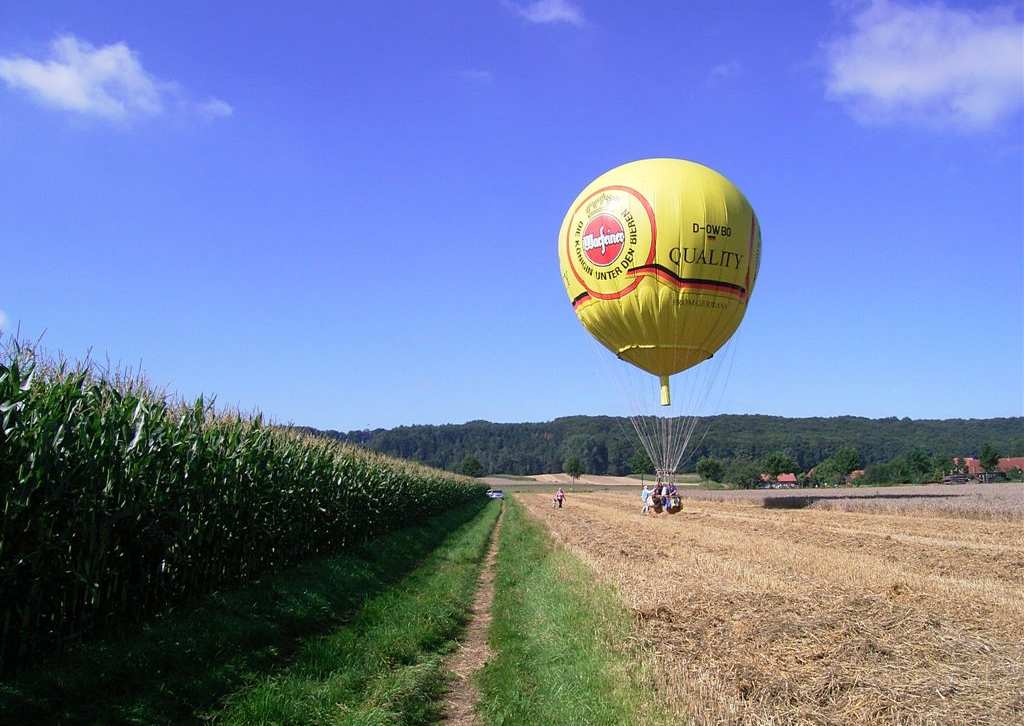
{"x":386,"y":667}
{"x":560,"y":640}
{"x":184,"y":664}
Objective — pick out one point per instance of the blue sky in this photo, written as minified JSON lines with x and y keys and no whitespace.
{"x":345,"y":214}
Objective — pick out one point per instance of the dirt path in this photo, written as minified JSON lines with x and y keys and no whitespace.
{"x":767,"y":616}
{"x":473,"y":654}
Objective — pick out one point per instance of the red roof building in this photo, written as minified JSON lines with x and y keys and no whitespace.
{"x":973,"y":467}
{"x":1010,"y":462}
{"x":781,"y":479}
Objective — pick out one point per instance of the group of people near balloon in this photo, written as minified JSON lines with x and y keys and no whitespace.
{"x":664,"y":497}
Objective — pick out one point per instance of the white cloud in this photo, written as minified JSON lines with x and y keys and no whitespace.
{"x":108,"y":82}
{"x":929,"y":64}
{"x":725,"y":70}
{"x":3,"y":321}
{"x":215,"y":108}
{"x":549,"y":11}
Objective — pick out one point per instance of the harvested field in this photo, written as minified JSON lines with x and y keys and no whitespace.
{"x":602,"y":480}
{"x":760,"y":614}
{"x":979,"y":501}
{"x":586,"y":482}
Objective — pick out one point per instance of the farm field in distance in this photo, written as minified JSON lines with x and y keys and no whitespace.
{"x":974,"y":501}
{"x":907,"y":612}
{"x":586,"y":483}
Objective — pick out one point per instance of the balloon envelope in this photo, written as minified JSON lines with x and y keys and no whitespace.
{"x":659,"y":258}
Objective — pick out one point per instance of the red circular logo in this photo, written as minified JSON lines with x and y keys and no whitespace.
{"x":603,"y":239}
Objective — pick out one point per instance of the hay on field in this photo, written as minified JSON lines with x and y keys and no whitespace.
{"x":770,"y":616}
{"x":1001,"y":502}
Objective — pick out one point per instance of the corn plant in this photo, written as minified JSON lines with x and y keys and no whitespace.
{"x":118,"y":501}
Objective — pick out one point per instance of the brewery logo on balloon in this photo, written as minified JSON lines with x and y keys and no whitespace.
{"x":611,"y":232}
{"x":603,"y":240}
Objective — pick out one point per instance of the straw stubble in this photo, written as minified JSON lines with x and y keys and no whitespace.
{"x":766,"y":616}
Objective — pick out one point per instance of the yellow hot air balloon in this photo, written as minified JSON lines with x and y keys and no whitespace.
{"x":659,"y":259}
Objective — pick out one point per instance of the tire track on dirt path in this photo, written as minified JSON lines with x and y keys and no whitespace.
{"x":474,"y":651}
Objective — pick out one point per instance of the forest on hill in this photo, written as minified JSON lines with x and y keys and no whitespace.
{"x":604,"y":444}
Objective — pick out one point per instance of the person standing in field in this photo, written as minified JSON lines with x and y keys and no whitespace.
{"x":671,"y":496}
{"x":655,"y":498}
{"x":645,"y":497}
{"x":559,"y":497}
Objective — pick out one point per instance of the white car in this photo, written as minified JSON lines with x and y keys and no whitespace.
{"x":495,"y":494}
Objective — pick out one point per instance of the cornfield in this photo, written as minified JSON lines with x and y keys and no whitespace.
{"x":118,"y":501}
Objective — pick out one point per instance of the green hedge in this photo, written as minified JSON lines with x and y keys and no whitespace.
{"x":117,"y":502}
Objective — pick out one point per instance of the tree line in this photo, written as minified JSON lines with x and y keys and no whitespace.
{"x":605,"y":445}
{"x":917,"y":466}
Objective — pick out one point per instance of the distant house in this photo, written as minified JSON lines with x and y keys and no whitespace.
{"x":782,"y":480}
{"x":974,"y":468}
{"x":1009,"y":463}
{"x":855,"y":475}
{"x":971,"y":466}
